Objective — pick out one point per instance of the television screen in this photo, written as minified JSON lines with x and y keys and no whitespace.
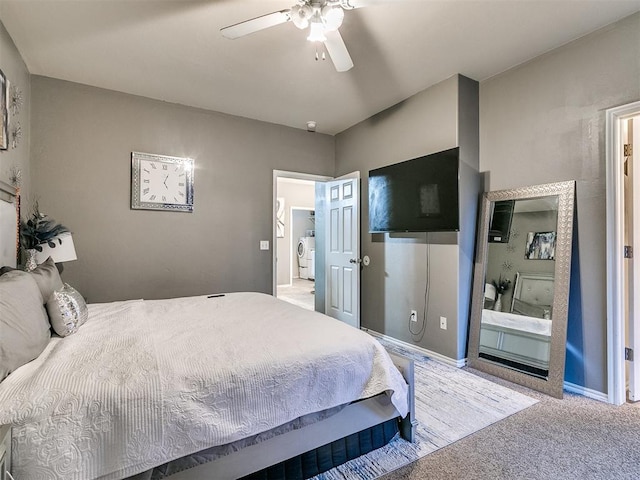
{"x":419,"y":195}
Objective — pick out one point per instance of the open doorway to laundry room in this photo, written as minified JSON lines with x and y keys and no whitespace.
{"x":295,"y":242}
{"x":301,"y":248}
{"x":623,"y":261}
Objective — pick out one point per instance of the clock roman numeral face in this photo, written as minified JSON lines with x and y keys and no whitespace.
{"x":163,"y":182}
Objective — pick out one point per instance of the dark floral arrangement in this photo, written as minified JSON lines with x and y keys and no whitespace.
{"x":502,"y":285}
{"x":39,"y":229}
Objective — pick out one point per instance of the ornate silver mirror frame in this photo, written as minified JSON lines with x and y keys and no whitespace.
{"x":550,"y":382}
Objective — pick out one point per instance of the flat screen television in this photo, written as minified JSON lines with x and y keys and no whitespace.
{"x":419,"y":195}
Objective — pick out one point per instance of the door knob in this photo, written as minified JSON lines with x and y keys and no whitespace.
{"x":355,"y":260}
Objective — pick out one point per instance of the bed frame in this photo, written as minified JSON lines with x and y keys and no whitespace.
{"x":5,"y":451}
{"x":515,"y":345}
{"x":352,"y":419}
{"x":533,"y":288}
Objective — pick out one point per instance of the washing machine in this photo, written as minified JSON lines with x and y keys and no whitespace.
{"x":306,"y":257}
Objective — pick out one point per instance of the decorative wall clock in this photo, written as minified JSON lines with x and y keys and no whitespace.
{"x":159,"y":182}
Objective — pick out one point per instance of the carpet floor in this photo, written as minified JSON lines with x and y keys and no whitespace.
{"x":450,"y":405}
{"x":574,"y":438}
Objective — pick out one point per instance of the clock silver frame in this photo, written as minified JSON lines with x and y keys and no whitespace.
{"x":138,"y":204}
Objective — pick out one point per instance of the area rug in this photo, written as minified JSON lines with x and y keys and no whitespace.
{"x":450,"y":404}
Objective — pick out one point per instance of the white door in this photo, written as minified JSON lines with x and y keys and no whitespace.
{"x":343,"y":249}
{"x":632,"y":159}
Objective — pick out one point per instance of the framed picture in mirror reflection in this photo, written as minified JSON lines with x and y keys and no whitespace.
{"x":540,"y":246}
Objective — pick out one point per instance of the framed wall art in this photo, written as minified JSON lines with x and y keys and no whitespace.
{"x":4,"y":111}
{"x":280,"y":217}
{"x":541,"y":246}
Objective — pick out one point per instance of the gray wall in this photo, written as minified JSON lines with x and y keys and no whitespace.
{"x":82,"y":141}
{"x":16,"y":72}
{"x":545,"y":122}
{"x":396,"y":280}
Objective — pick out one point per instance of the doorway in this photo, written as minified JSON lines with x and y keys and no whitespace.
{"x":336,"y":262}
{"x":623,"y":264}
{"x":298,"y":286}
{"x":630,"y":131}
{"x":295,"y":238}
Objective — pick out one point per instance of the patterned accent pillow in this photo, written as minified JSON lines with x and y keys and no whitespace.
{"x":67,"y":310}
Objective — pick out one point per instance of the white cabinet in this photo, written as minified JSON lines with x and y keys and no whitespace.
{"x":5,"y":452}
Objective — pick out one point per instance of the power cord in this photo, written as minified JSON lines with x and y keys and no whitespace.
{"x":425,"y":312}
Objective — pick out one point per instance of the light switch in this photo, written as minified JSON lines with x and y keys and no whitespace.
{"x":264,"y":244}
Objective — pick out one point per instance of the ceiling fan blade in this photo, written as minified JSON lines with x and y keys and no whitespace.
{"x":351,"y":4}
{"x":255,"y":24}
{"x":338,"y":51}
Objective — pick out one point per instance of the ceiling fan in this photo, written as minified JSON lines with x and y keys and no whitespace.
{"x":322,"y":17}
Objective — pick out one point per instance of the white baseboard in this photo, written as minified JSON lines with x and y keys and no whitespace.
{"x":417,"y":349}
{"x":586,"y":392}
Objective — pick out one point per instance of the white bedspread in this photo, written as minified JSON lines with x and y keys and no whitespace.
{"x":515,"y":321}
{"x":144,"y":382}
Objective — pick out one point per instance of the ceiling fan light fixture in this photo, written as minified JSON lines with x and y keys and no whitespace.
{"x":332,"y":16}
{"x":316,"y":30}
{"x":300,"y":15}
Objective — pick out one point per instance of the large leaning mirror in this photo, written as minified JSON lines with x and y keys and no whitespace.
{"x":521,"y":285}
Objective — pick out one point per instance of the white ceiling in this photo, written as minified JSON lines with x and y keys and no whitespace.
{"x":172,"y":50}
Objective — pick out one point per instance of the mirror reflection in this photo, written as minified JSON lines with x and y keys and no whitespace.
{"x":519,"y":284}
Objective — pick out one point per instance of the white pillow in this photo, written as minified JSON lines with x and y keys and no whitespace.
{"x":47,"y":277}
{"x":24,"y":328}
{"x":67,"y":310}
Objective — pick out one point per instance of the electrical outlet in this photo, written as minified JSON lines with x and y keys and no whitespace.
{"x":414,"y":316}
{"x":443,"y":323}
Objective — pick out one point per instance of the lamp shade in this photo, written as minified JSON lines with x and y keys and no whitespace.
{"x":300,"y":15}
{"x":64,"y":250}
{"x":316,"y":30}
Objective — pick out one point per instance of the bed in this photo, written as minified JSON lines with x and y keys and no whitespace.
{"x":516,"y":338}
{"x":198,"y":387}
{"x":521,"y":338}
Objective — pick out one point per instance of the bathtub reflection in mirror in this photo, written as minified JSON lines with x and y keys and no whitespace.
{"x":521,"y":283}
